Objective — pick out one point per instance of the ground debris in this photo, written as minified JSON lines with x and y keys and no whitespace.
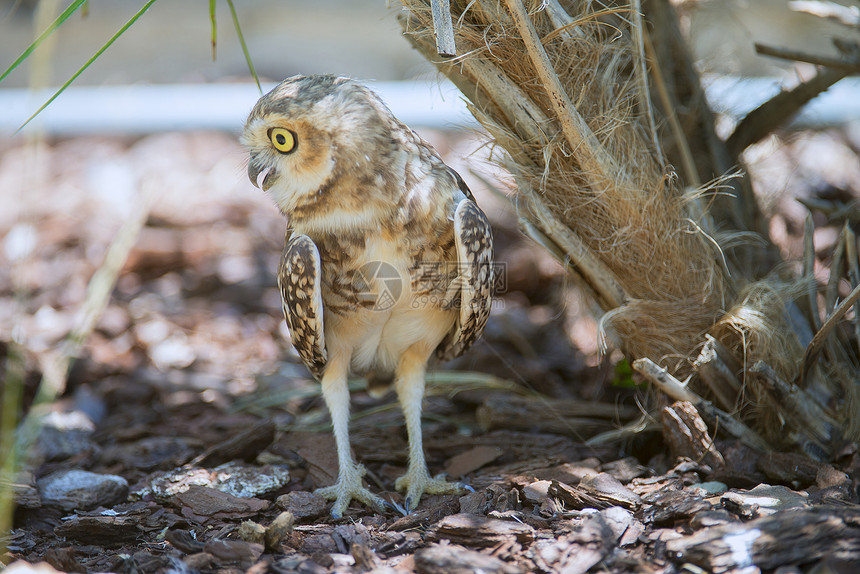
{"x":471,"y":460}
{"x":598,"y":491}
{"x":763,"y":500}
{"x":101,"y":530}
{"x":236,"y":479}
{"x":455,"y":559}
{"x":687,"y":434}
{"x":302,"y":504}
{"x":479,"y":531}
{"x":791,"y":537}
{"x":189,"y":390}
{"x":576,"y":418}
{"x":79,"y":489}
{"x":202,"y":501}
{"x":245,"y":445}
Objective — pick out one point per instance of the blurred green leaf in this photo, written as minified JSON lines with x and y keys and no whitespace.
{"x":623,"y":375}
{"x":100,"y":51}
{"x":214,"y":26}
{"x":48,"y":31}
{"x":244,"y":46}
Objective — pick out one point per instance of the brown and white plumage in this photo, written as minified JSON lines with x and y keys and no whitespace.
{"x":388,"y":258}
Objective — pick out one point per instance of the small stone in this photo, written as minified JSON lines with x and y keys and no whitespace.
{"x":280,"y":527}
{"x":712,"y":488}
{"x":536,"y":492}
{"x":244,"y":553}
{"x":617,"y":519}
{"x":82,"y":490}
{"x":250,"y":531}
{"x":205,"y":501}
{"x":63,"y":435}
{"x":302,"y":504}
{"x":235,"y":479}
{"x":828,"y":477}
{"x":762,"y":500}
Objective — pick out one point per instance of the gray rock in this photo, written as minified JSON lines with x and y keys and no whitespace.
{"x":712,"y":488}
{"x":763,"y":500}
{"x":82,"y":490}
{"x":62,"y":435}
{"x":236,"y":479}
{"x":302,"y":504}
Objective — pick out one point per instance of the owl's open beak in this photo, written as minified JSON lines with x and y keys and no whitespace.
{"x":262,"y":178}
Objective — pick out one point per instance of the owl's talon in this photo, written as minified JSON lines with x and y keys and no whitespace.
{"x":397,"y":508}
{"x":417,"y":484}
{"x":348,"y":488}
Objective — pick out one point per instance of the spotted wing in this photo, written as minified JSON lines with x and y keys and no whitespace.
{"x":299,"y":278}
{"x":474,"y":241}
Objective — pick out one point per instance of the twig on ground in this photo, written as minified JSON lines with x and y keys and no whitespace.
{"x":713,"y":369}
{"x":715,"y":417}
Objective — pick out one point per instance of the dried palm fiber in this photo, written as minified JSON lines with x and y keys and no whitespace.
{"x":589,"y":172}
{"x":561,"y":87}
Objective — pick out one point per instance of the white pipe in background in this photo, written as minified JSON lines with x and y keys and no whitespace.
{"x":141,"y":109}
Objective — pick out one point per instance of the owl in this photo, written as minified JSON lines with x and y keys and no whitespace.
{"x":388,"y":258}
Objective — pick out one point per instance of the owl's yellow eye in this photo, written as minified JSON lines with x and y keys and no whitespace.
{"x":283,"y":139}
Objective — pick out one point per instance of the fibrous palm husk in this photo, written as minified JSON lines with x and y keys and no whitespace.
{"x":590,"y":176}
{"x":563,"y":89}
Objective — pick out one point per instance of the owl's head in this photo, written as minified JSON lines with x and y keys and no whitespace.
{"x":307,"y":130}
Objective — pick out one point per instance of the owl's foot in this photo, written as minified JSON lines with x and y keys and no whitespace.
{"x":348,"y":488}
{"x":418,"y":483}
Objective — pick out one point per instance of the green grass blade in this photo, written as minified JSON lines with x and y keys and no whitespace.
{"x":101,"y":50}
{"x":48,"y":31}
{"x":244,"y":46}
{"x":214,"y":27}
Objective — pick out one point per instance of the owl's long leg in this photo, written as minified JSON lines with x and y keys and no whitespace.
{"x":348,"y":486}
{"x":409,"y":384}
